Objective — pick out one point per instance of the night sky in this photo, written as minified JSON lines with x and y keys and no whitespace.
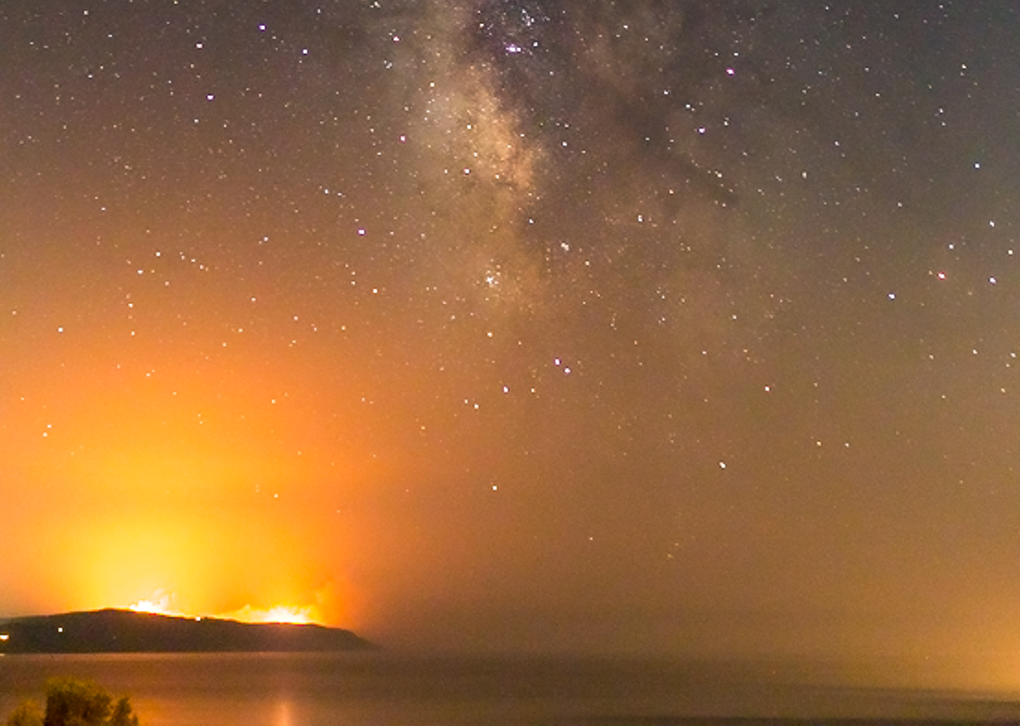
{"x":650,"y":325}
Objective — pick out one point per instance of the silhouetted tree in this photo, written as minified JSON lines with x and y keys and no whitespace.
{"x":122,"y":715}
{"x":70,"y":702}
{"x":27,"y":714}
{"x":73,"y":702}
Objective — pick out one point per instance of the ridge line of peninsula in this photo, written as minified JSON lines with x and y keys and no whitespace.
{"x":127,"y":631}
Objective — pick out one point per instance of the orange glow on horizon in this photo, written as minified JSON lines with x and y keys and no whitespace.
{"x":190,"y":499}
{"x":218,"y":492}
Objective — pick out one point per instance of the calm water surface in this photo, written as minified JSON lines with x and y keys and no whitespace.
{"x":371,"y":689}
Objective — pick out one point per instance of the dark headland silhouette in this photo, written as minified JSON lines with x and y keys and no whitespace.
{"x":126,"y":631}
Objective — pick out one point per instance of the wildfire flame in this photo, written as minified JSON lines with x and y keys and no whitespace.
{"x":160,"y":604}
{"x":276,"y":614}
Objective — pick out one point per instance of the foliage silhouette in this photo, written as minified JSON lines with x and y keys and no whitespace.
{"x":26,"y":714}
{"x":75,"y":702}
{"x":122,"y":715}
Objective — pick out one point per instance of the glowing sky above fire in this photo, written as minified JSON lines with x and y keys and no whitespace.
{"x":649,"y":325}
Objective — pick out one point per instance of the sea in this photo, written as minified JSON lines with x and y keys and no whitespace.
{"x":375,"y":689}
